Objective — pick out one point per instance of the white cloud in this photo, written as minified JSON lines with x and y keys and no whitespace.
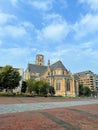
{"x":43,"y":5}
{"x":55,"y":32}
{"x":14,"y":56}
{"x":13,"y":31}
{"x":53,"y":18}
{"x":9,"y":55}
{"x":5,"y":18}
{"x":11,"y":28}
{"x":55,"y":28}
{"x":92,"y":3}
{"x":87,"y":25}
{"x":8,"y":27}
{"x":77,"y":56}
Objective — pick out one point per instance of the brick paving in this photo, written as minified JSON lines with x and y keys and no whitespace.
{"x":19,"y":100}
{"x":54,"y":114}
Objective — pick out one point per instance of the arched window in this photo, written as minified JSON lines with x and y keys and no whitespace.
{"x":68,"y":85}
{"x":63,"y":72}
{"x":48,"y":73}
{"x":57,"y":85}
{"x":54,"y":72}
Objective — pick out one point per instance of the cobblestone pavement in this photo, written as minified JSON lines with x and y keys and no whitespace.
{"x":59,"y":115}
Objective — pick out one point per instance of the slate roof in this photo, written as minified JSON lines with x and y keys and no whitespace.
{"x":42,"y":69}
{"x":58,"y":65}
{"x":37,"y":68}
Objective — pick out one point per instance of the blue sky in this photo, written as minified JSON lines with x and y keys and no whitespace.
{"x":65,"y":30}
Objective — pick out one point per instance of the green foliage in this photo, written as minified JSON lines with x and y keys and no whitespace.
{"x":9,"y":77}
{"x":44,"y":89}
{"x":40,"y":87}
{"x":80,"y":89}
{"x":30,"y":85}
{"x":94,"y":92}
{"x":5,"y":94}
{"x":84,"y":91}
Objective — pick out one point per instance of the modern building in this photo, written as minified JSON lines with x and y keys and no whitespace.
{"x":21,"y":72}
{"x":96,"y":81}
{"x":56,"y":74}
{"x":88,"y":79}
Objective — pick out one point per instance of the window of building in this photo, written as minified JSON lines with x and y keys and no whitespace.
{"x":63,"y":72}
{"x":57,"y":85}
{"x":48,"y":73}
{"x":54,"y":72}
{"x":68,"y":85}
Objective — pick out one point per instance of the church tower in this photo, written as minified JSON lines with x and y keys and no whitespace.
{"x":39,"y":59}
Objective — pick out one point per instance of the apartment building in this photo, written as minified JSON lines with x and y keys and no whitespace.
{"x":96,"y":81}
{"x":88,"y":79}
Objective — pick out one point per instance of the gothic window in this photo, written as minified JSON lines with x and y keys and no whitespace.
{"x":63,"y":72}
{"x":48,"y":73}
{"x":57,"y":85}
{"x":54,"y":72}
{"x":68,"y":85}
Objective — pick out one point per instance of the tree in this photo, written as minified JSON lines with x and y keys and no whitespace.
{"x":86,"y":91}
{"x":44,"y":88}
{"x":38,"y":87}
{"x":80,"y":89}
{"x":9,"y":77}
{"x":30,"y":85}
{"x":24,"y":87}
{"x":41,"y":87}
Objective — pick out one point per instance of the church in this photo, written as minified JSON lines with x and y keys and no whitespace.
{"x":56,"y":74}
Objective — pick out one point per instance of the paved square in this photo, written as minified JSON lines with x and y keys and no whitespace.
{"x":48,"y":113}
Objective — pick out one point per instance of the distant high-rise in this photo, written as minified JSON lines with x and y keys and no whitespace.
{"x":88,"y":79}
{"x":39,"y":59}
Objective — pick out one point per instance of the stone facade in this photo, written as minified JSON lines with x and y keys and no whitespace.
{"x":56,"y":74}
{"x":39,"y":60}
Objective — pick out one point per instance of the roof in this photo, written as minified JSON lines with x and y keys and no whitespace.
{"x":37,"y":68}
{"x":84,"y":73}
{"x":34,"y":68}
{"x":58,"y":65}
